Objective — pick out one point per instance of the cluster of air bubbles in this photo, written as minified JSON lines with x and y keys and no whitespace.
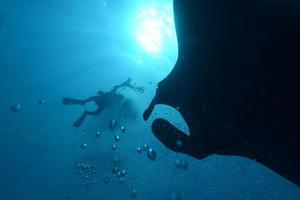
{"x":83,"y":146}
{"x":86,"y":168}
{"x":97,"y":133}
{"x":118,"y":172}
{"x":88,"y":171}
{"x":88,"y":184}
{"x":113,"y":125}
{"x":114,"y":145}
{"x":151,"y":154}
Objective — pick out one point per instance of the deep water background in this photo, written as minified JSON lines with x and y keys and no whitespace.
{"x":51,"y":49}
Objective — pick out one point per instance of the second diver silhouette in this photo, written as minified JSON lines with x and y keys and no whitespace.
{"x":102,"y":100}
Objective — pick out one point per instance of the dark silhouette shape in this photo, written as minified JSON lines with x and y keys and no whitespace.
{"x":102,"y":100}
{"x":236,"y":82}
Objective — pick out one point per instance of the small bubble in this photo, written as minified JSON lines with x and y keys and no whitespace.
{"x":145,"y":147}
{"x":16,"y":108}
{"x":139,"y":150}
{"x":123,"y":172}
{"x":119,"y":174}
{"x":151,"y":154}
{"x":115,"y":170}
{"x":121,"y":180}
{"x":112,"y":124}
{"x":133,"y":193}
{"x":123,"y":129}
{"x":98,"y":134}
{"x":117,"y":138}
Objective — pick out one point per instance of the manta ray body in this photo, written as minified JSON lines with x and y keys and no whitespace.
{"x":236,"y":82}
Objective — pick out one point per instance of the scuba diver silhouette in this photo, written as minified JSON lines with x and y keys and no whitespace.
{"x":102,"y":100}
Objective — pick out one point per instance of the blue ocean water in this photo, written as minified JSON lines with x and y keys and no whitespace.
{"x":74,"y":48}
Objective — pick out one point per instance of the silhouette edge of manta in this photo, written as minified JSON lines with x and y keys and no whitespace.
{"x":235,"y":82}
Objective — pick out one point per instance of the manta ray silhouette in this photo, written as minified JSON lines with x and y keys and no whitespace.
{"x":236,"y":82}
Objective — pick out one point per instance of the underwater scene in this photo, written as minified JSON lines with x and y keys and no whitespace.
{"x":76,"y":81}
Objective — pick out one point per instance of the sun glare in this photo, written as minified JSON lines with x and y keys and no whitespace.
{"x":154,"y":26}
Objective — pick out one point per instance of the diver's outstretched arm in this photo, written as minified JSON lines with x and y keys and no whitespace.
{"x":133,"y":87}
{"x":128,"y":84}
{"x":70,"y":101}
{"x":116,"y":87}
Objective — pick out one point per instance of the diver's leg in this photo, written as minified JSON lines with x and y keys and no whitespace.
{"x":86,"y":113}
{"x":79,"y":121}
{"x":70,"y":101}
